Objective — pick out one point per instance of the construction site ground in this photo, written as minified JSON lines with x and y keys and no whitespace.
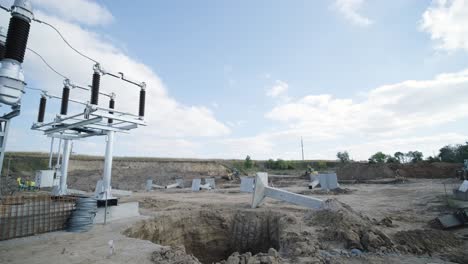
{"x":364,"y":223}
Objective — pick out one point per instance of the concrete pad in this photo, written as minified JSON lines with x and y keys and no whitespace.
{"x":79,"y":192}
{"x":121,"y":192}
{"x":121,"y":211}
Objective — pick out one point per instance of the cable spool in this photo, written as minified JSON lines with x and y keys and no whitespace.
{"x":111,"y":106}
{"x":81,"y":219}
{"x":65,"y":97}
{"x":42,"y":108}
{"x":95,"y":88}
{"x":141,"y":112}
{"x":17,"y":39}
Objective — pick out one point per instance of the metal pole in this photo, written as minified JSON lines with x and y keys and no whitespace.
{"x":51,"y":153}
{"x":302,"y":147}
{"x":64,"y":169}
{"x":105,"y":212}
{"x":106,"y":178}
{"x":3,"y":140}
{"x":58,"y":153}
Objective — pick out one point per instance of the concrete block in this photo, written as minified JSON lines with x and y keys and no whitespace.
{"x":247,"y":184}
{"x":196,"y":185}
{"x":121,"y":211}
{"x":149,"y":185}
{"x":464,"y":186}
{"x":328,"y":181}
{"x":211,"y":182}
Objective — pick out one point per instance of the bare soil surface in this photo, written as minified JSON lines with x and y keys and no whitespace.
{"x":369,"y":223}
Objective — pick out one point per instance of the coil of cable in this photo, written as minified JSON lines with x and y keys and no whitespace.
{"x":82,"y":218}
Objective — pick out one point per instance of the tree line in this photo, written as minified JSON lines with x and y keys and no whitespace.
{"x":449,"y":153}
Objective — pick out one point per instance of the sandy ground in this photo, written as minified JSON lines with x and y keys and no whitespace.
{"x":409,"y":205}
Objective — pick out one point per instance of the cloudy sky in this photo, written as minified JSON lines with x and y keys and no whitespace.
{"x":228,"y":79}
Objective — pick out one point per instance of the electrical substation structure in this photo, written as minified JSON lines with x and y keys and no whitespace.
{"x":93,"y":120}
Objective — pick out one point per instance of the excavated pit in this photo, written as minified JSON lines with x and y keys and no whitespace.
{"x":212,"y":236}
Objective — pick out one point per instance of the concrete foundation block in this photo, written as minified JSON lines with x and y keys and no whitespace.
{"x":121,"y":211}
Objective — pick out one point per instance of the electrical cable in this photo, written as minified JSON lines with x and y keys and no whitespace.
{"x":36,"y":89}
{"x":48,"y":65}
{"x":63,"y":38}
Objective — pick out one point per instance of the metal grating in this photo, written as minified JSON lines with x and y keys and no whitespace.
{"x":22,"y":216}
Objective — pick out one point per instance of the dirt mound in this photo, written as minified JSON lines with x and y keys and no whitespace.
{"x":425,"y":241}
{"x":271,"y":258}
{"x":336,"y":191}
{"x":342,"y":224}
{"x":173,"y":255}
{"x":364,"y":171}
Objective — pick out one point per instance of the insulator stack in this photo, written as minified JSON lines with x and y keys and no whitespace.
{"x":111,"y":106}
{"x":17,"y":39}
{"x":141,"y":111}
{"x":42,"y":108}
{"x":65,"y":97}
{"x":95,"y":88}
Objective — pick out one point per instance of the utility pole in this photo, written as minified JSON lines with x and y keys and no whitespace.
{"x":302,"y":147}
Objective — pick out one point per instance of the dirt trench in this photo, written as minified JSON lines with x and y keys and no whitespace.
{"x":212,"y":236}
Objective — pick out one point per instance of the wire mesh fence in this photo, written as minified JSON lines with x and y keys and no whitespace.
{"x":28,"y":215}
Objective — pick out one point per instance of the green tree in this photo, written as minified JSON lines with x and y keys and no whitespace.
{"x":415,"y":156}
{"x":248,"y":163}
{"x":391,"y":159}
{"x":448,"y":154}
{"x":378,"y":157}
{"x":343,"y":156}
{"x":400,"y":156}
{"x":270,"y":164}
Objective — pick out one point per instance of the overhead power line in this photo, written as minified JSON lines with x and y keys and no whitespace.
{"x":65,"y":40}
{"x":48,"y":65}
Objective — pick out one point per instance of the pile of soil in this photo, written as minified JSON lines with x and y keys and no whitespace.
{"x":173,"y":255}
{"x":344,"y":225}
{"x":272,"y":257}
{"x":364,"y":171}
{"x":425,"y":241}
{"x":341,"y":224}
{"x":336,"y":191}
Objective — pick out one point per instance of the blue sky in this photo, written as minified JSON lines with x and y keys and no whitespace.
{"x":235,"y":78}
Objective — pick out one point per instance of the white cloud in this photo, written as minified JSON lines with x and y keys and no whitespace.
{"x":167,"y":118}
{"x":388,"y":118}
{"x":350,"y":10}
{"x":278,"y":89}
{"x":447,"y":23}
{"x":86,"y":12}
{"x":386,"y":110}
